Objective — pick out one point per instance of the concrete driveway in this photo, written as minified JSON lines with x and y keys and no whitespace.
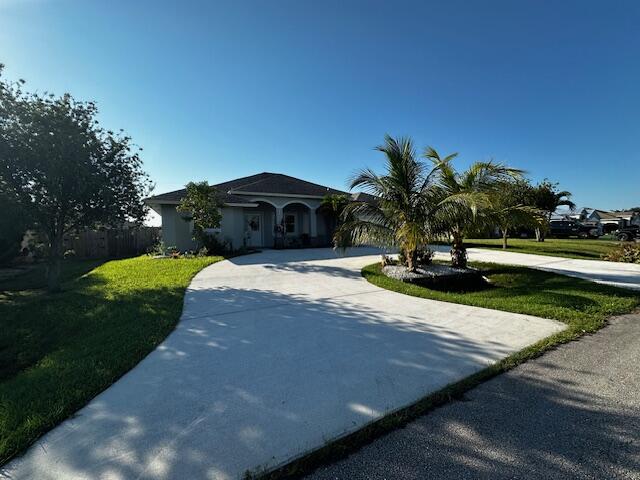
{"x":617,"y":274}
{"x":573,"y":413}
{"x":276,"y":354}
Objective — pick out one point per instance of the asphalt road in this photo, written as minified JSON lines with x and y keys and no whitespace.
{"x":573,"y":413}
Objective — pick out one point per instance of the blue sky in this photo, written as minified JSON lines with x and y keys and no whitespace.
{"x":218,"y":90}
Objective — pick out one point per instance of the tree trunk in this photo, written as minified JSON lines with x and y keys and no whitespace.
{"x":458,"y":251}
{"x":54,"y":263}
{"x":504,"y":238}
{"x":539,"y":234}
{"x":411,"y":256}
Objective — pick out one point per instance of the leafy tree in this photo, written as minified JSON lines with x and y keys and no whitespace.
{"x":510,"y":207}
{"x":63,"y":169}
{"x":547,"y":199}
{"x":401,"y":214}
{"x":466,"y":197}
{"x":202,"y":205}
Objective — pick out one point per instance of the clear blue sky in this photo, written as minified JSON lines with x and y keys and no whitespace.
{"x":217,"y":90}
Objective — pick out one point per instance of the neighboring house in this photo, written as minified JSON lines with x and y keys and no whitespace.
{"x":612,"y":221}
{"x":253,"y":207}
{"x":580,"y":214}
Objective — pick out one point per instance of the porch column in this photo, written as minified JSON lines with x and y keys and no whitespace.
{"x":279,"y":215}
{"x":313,"y":223}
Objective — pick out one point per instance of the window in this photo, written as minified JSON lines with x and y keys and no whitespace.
{"x":290,"y":223}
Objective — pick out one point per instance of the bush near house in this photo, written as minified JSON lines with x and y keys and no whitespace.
{"x":626,"y":252}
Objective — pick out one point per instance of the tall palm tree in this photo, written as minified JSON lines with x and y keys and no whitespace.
{"x":405,"y":198}
{"x":466,"y":197}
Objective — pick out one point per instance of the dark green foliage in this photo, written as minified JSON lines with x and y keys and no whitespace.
{"x":202,"y":205}
{"x":13,"y":225}
{"x":63,"y":169}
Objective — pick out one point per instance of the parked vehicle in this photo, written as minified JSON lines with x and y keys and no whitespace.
{"x":627,"y":234}
{"x":569,"y":228}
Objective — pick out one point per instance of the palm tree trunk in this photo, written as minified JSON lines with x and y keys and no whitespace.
{"x":411,"y":256}
{"x":458,"y":251}
{"x":504,"y":238}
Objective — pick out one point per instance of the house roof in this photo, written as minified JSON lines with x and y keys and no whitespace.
{"x":265,"y":183}
{"x":606,"y":215}
{"x":363,"y":197}
{"x":625,"y":213}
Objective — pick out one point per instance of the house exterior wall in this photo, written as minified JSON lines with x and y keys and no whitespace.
{"x":176,"y":232}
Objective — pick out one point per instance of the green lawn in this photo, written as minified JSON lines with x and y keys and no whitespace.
{"x":57,"y":351}
{"x":558,"y":247}
{"x":584,"y":306}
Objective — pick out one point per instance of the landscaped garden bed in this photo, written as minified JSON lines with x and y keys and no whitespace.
{"x":438,"y":276}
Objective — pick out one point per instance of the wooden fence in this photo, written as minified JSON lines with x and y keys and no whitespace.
{"x":112,"y":243}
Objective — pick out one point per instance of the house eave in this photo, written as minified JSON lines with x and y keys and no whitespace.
{"x":156,"y":203}
{"x":263,"y":194}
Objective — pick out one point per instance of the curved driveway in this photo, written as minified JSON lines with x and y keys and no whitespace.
{"x":276,"y":353}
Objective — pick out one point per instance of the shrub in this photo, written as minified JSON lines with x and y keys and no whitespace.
{"x":386,"y":260}
{"x":424,"y":256}
{"x":215,"y":245}
{"x":626,"y":252}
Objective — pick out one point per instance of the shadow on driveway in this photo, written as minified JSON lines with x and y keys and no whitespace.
{"x":574,"y":413}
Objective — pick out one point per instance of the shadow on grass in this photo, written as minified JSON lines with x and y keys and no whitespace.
{"x":57,"y":351}
{"x":34,"y":276}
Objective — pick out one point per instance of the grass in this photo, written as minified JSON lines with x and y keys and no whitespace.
{"x":58,"y":351}
{"x":584,"y":306}
{"x":557,"y":247}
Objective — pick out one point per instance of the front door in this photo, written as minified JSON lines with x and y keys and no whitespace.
{"x":253,"y":229}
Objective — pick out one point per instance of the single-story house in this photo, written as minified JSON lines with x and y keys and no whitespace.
{"x":612,"y":221}
{"x":254,"y":207}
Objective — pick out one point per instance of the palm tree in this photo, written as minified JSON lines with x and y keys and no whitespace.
{"x":466,"y":197}
{"x":510,"y":208}
{"x":405,"y":198}
{"x":547,"y":199}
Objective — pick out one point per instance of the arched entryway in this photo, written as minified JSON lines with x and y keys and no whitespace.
{"x":297,"y":227}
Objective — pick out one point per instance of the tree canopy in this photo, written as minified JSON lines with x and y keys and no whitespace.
{"x":202,"y":205}
{"x":63,"y":169}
